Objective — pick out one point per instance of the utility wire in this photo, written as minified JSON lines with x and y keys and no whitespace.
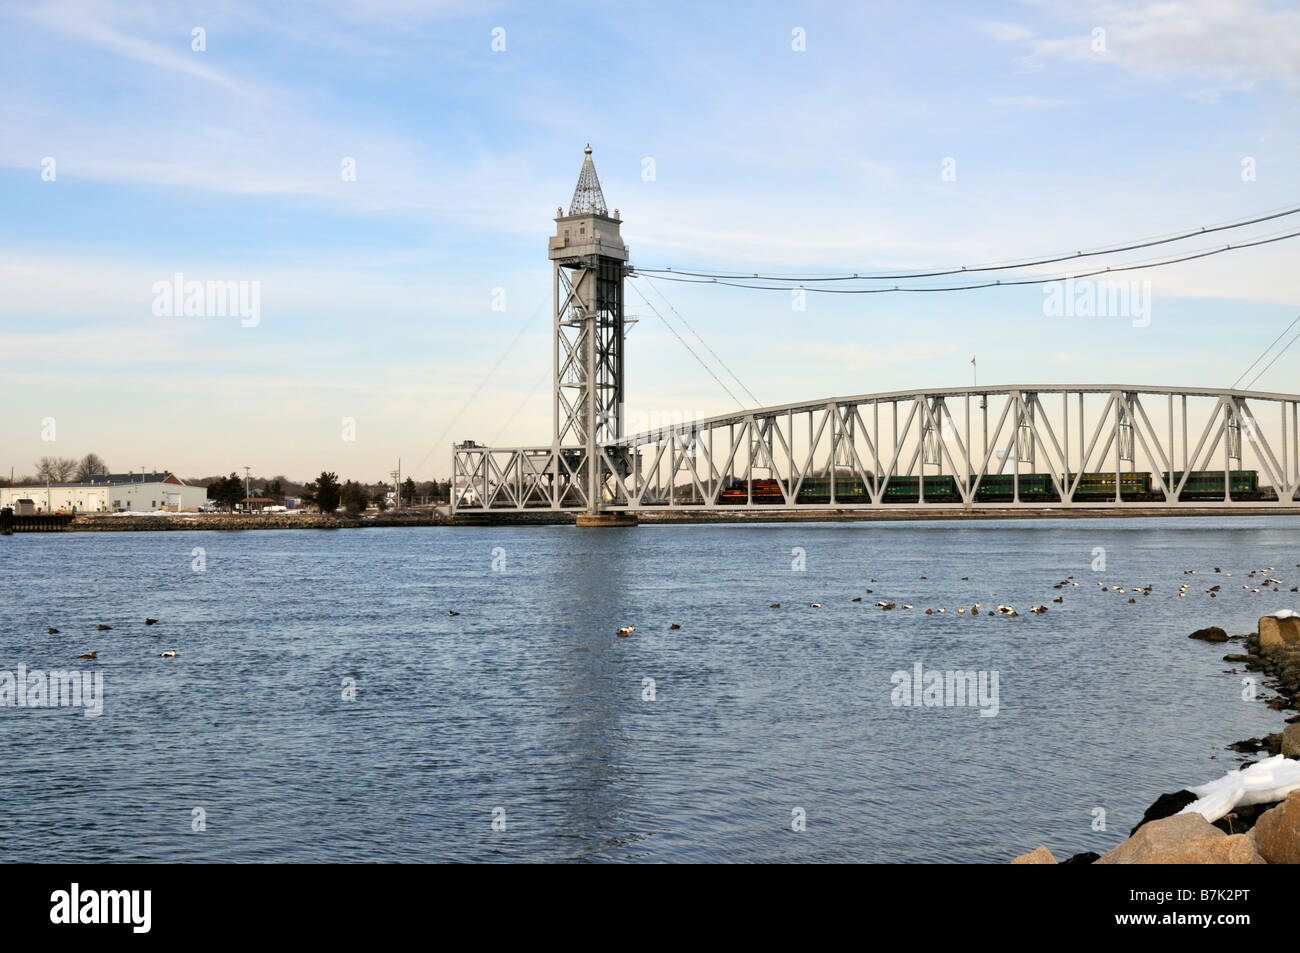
{"x":964,"y":269}
{"x":483,"y":383}
{"x":989,"y":284}
{"x":523,"y":403}
{"x":688,"y":347}
{"x":1264,"y":353}
{"x":1272,"y":362}
{"x":659,"y":291}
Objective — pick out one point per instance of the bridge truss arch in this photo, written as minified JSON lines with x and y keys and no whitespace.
{"x":1044,"y":447}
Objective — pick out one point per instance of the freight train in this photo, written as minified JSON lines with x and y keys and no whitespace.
{"x":1138,"y":487}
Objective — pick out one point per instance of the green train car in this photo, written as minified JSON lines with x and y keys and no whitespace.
{"x":1208,"y":484}
{"x":848,"y":489}
{"x":1033,"y":488}
{"x":1001,"y":487}
{"x":1100,"y":487}
{"x":907,"y":489}
{"x":1094,"y":487}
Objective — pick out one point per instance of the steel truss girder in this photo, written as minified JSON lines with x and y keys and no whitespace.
{"x":845,"y":444}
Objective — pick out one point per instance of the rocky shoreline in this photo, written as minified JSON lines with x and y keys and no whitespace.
{"x":1263,"y":833}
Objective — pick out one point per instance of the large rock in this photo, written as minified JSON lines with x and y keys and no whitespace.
{"x":1183,"y":839}
{"x":1291,"y":741}
{"x":1211,"y":634}
{"x":1039,"y":855}
{"x":1277,"y":832}
{"x":1087,"y":857}
{"x":1241,"y":818}
{"x":1166,"y":805}
{"x":1233,"y":849}
{"x":1275,"y":633}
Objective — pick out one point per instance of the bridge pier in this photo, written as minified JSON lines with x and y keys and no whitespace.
{"x":605,"y":519}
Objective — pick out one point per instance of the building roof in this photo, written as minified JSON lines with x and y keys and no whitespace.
{"x":111,"y":479}
{"x":587,"y":197}
{"x":119,"y":479}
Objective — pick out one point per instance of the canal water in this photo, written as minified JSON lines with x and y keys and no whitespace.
{"x":326,"y":705}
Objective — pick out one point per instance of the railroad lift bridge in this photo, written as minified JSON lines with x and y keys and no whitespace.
{"x":1039,"y":447}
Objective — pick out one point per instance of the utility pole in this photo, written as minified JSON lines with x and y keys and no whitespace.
{"x":397,"y":484}
{"x":247,"y":505}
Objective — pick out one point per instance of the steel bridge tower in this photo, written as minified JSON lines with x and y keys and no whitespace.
{"x":590,"y":263}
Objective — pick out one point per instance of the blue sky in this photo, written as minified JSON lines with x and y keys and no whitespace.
{"x":376,"y":294}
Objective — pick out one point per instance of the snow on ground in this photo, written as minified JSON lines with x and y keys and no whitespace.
{"x":1260,"y":783}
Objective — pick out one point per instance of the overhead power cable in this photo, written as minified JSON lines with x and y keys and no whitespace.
{"x":997,"y":266}
{"x":483,"y":383}
{"x":523,"y":403}
{"x":1272,"y":362}
{"x":1264,"y":353}
{"x":1115,"y":269}
{"x":739,"y":382}
{"x":688,"y":347}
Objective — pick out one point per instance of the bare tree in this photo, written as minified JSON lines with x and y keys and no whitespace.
{"x":55,"y":469}
{"x":92,"y":464}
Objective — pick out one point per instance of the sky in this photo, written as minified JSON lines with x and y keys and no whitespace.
{"x":386,"y":174}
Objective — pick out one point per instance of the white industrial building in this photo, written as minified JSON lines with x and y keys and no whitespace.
{"x":111,"y":493}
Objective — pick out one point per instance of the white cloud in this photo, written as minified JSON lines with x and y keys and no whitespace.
{"x":1225,"y":40}
{"x":1212,"y":94}
{"x":89,"y":22}
{"x":1007,"y":32}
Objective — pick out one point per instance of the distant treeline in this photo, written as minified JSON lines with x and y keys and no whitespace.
{"x":325,"y":492}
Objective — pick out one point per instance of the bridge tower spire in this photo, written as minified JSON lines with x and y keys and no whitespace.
{"x":590,"y":261}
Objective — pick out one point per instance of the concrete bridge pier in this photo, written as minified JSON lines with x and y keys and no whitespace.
{"x":605,"y":519}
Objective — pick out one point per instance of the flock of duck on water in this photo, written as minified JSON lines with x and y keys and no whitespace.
{"x":1263,"y":579}
{"x":1268,"y":583}
{"x":169,"y":653}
